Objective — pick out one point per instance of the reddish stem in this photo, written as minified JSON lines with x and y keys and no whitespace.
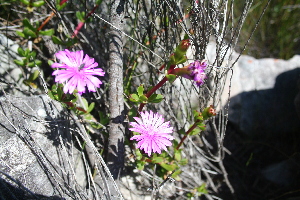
{"x":80,"y":25}
{"x":187,"y":133}
{"x":46,"y":21}
{"x":163,"y":81}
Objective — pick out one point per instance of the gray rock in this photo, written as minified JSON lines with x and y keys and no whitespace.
{"x":39,"y":158}
{"x":263,"y":93}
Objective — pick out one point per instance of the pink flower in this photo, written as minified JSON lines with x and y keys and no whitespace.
{"x":78,"y":71}
{"x":154,"y":132}
{"x":197,"y":72}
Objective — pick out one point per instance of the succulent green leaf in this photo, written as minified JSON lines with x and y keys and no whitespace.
{"x":152,"y":97}
{"x":140,"y":90}
{"x":158,"y":98}
{"x":181,"y":131}
{"x":38,"y":3}
{"x":25,"y":2}
{"x":32,"y":54}
{"x":21,"y":34}
{"x":29,"y":32}
{"x":177,"y":155}
{"x":50,"y":62}
{"x":98,"y":2}
{"x":104,"y":119}
{"x":56,"y":40}
{"x":169,"y":167}
{"x":183,"y":161}
{"x":201,"y":126}
{"x":195,"y":131}
{"x":134,"y":98}
{"x":20,"y":51}
{"x":140,"y":164}
{"x":31,"y":64}
{"x":171,"y":77}
{"x":157,"y":159}
{"x":143,"y":98}
{"x":91,"y":107}
{"x":34,"y":75}
{"x":180,"y":60}
{"x":176,"y":173}
{"x":138,"y":154}
{"x":80,"y":15}
{"x":202,"y":189}
{"x":27,"y":24}
{"x":20,"y":62}
{"x":48,"y":32}
{"x":96,"y":125}
{"x":51,"y":94}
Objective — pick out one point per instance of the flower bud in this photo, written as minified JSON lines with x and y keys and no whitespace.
{"x":209,"y":112}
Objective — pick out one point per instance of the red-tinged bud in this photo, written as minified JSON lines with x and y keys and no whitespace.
{"x":184,"y":45}
{"x":62,"y":2}
{"x":209,"y":112}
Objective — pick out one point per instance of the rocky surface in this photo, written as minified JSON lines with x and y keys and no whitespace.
{"x":38,"y":155}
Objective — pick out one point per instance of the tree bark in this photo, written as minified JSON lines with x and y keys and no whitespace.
{"x":115,"y":157}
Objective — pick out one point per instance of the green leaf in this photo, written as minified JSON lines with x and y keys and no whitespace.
{"x":202,"y":189}
{"x":168,"y":167}
{"x":134,"y":98}
{"x":20,"y":62}
{"x":143,"y":98}
{"x":91,"y":107}
{"x":171,"y":77}
{"x":201,"y":126}
{"x":157,"y":159}
{"x":96,"y":125}
{"x":70,"y":42}
{"x":25,"y":2}
{"x":21,"y":51}
{"x":175,"y":175}
{"x":29,"y":32}
{"x":104,"y":119}
{"x":158,"y":98}
{"x":138,"y":154}
{"x":32,"y":54}
{"x":50,"y":62}
{"x":85,"y":103}
{"x":140,"y":164}
{"x":181,"y":131}
{"x":184,"y":161}
{"x":29,"y":83}
{"x":98,"y":2}
{"x":177,"y":155}
{"x":26,"y":53}
{"x":60,"y":93}
{"x":27,"y":24}
{"x":21,"y":34}
{"x":38,"y":3}
{"x":51,"y":94}
{"x":48,"y":32}
{"x":80,"y":15}
{"x":34,"y":75}
{"x":140,"y":90}
{"x":195,"y":131}
{"x":181,"y":60}
{"x":31,"y":64}
{"x":56,"y":40}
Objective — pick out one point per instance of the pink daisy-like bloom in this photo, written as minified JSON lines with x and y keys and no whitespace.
{"x":197,"y":72}
{"x":154,"y":132}
{"x":78,"y":71}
